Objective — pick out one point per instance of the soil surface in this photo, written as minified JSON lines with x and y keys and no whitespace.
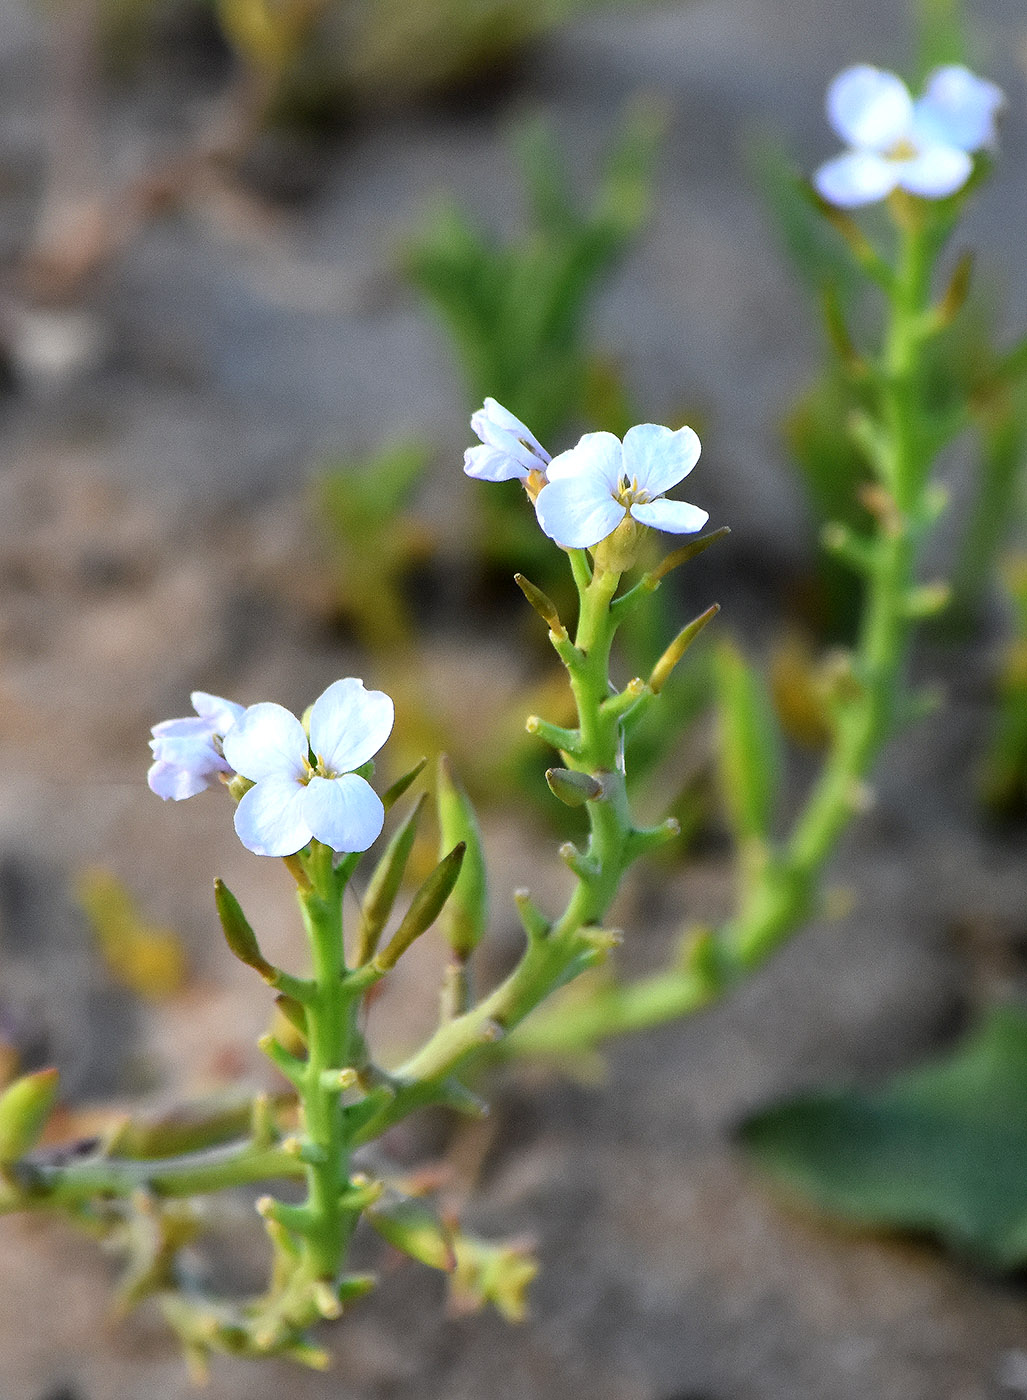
{"x":160,"y":423}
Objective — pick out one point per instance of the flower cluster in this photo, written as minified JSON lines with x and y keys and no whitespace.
{"x":303,"y":787}
{"x":924,"y":147}
{"x":584,"y":494}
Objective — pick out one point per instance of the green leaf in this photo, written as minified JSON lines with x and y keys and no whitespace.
{"x":938,"y":1150}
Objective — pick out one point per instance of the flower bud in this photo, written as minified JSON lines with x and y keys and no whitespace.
{"x":24,"y":1108}
{"x":572,"y":788}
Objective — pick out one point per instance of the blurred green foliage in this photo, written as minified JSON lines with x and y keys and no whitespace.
{"x":362,"y":508}
{"x":516,"y":310}
{"x":1004,"y":780}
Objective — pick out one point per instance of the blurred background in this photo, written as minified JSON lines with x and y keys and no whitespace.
{"x":259,"y":260}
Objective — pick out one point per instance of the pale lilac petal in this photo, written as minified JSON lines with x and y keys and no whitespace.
{"x":936,"y":172}
{"x":345,"y":813}
{"x":598,"y":455}
{"x":856,"y":178}
{"x":958,"y":109}
{"x":677,"y":517}
{"x":490,"y":464}
{"x":180,"y":728}
{"x":266,"y":741}
{"x":348,"y":725}
{"x":219,"y":714}
{"x":170,"y":780}
{"x":869,"y":108}
{"x":270,"y":819}
{"x":195,"y":751}
{"x":494,"y":420}
{"x":578,"y":511}
{"x":658,"y":457}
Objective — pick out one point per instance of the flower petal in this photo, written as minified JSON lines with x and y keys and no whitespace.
{"x":170,"y":780}
{"x":266,"y":741}
{"x":856,"y":178}
{"x":270,"y":819}
{"x":219,"y":714}
{"x":493,"y":417}
{"x":345,"y":813}
{"x":936,"y":172}
{"x":598,"y":454}
{"x":958,"y":109}
{"x":180,"y":728}
{"x":348,"y":725}
{"x":490,"y":464}
{"x":659,"y":457}
{"x":578,"y":511}
{"x":869,"y":107}
{"x":677,"y":517}
{"x":193,"y":751}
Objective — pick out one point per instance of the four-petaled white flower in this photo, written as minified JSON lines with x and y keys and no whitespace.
{"x":304,"y":788}
{"x":508,"y":449}
{"x":187,"y":752}
{"x":599,"y":483}
{"x":923,"y":147}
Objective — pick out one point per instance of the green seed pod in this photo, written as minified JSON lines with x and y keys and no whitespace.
{"x":424,"y":909}
{"x":465,"y":917}
{"x":384,"y":884}
{"x":24,"y":1108}
{"x":409,"y":1225}
{"x":749,"y":745}
{"x":678,"y":647}
{"x":238,"y":933}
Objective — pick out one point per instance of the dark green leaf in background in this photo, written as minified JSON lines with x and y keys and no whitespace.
{"x":940,"y":1150}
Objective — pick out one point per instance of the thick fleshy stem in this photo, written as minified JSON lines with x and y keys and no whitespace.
{"x":783,"y":893}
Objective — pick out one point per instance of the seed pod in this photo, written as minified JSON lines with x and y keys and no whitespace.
{"x":424,"y":909}
{"x":410,"y":1226}
{"x":384,"y":884}
{"x":465,"y":916}
{"x":749,"y":743}
{"x":238,"y":933}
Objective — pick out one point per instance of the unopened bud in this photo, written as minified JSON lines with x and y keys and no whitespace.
{"x":572,"y":788}
{"x":24,"y":1108}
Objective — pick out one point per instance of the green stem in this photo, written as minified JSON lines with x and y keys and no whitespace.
{"x":331,"y":1030}
{"x":40,"y":1184}
{"x":783,"y":893}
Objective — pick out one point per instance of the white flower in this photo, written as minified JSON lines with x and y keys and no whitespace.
{"x":304,"y":788}
{"x":509,"y":450}
{"x":924,"y":147}
{"x":187,"y":752}
{"x":597,"y":484}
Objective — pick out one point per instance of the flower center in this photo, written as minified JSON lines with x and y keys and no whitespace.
{"x":534,"y":482}
{"x":903,"y":150}
{"x":629,"y":493}
{"x":314,"y":766}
